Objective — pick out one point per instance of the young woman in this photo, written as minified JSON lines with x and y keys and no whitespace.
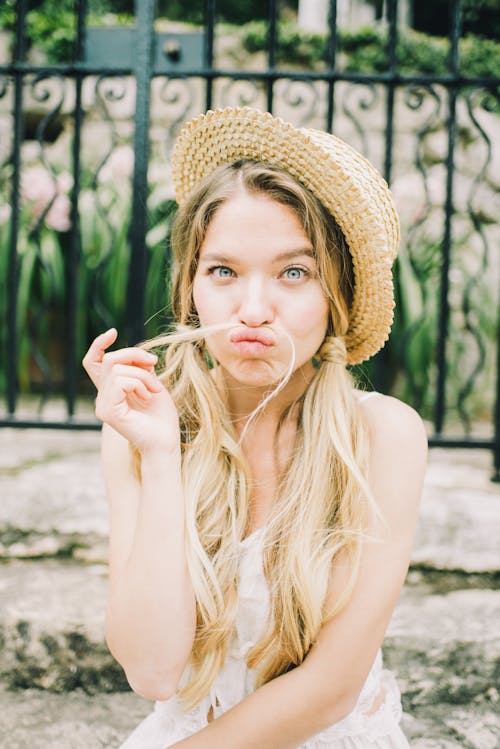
{"x":262,"y":507}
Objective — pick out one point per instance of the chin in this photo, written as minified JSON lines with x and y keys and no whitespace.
{"x":255,"y":373}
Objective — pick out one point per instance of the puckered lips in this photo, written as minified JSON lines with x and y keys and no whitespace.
{"x":252,"y":341}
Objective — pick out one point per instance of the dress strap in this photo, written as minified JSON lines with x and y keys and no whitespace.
{"x":365,"y":396}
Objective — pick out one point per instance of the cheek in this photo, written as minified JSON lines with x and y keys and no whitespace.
{"x":312,"y":315}
{"x":206,"y":303}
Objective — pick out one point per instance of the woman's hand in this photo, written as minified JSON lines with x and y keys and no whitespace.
{"x":130,"y":397}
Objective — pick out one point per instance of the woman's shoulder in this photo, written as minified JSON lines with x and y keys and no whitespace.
{"x":374,"y":402}
{"x":391,"y":420}
{"x":398,"y":453}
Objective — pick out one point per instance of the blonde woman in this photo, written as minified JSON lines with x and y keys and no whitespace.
{"x":262,"y":507}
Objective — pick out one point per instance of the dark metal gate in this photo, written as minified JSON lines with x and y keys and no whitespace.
{"x":455,"y":329}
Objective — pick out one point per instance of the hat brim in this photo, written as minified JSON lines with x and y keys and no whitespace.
{"x":347,"y":185}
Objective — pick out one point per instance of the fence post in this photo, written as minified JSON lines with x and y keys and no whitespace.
{"x":496,"y":419}
{"x":444,"y":311}
{"x":143,"y":63}
{"x":74,"y":248}
{"x":11,"y":354}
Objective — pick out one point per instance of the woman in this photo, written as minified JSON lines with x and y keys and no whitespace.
{"x":262,"y":508}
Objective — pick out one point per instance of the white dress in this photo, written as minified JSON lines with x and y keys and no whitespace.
{"x":168,"y":723}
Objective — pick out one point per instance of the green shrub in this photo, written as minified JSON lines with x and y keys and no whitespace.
{"x":365,"y":50}
{"x":8,"y":14}
{"x":51,"y":28}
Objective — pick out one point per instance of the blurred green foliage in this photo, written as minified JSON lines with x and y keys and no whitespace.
{"x":58,"y":15}
{"x":365,"y":50}
{"x":43,"y":247}
{"x":51,"y":28}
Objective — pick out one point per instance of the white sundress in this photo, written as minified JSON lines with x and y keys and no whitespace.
{"x":168,"y":724}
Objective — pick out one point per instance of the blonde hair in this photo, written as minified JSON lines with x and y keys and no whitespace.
{"x":322,"y":498}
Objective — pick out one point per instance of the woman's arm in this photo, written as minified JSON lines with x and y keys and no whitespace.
{"x":150,"y":616}
{"x":287,"y":711}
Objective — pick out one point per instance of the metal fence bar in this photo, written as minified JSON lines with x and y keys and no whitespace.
{"x":496,"y":414}
{"x":72,"y":424}
{"x":209,"y":49}
{"x":444,"y":311}
{"x":381,"y":368}
{"x":448,"y":81}
{"x":13,"y":264}
{"x":144,"y":39}
{"x":271,"y":50}
{"x":332,"y":61}
{"x":496,"y":445}
{"x":392,"y":10}
{"x":74,"y":249}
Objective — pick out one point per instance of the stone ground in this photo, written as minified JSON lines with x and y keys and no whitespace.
{"x":60,"y":688}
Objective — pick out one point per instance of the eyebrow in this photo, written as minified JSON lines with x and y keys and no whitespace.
{"x":289,"y":255}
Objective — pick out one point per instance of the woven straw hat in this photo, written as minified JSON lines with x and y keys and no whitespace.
{"x":347,"y":185}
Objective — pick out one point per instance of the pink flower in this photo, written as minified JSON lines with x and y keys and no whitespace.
{"x":58,"y":216}
{"x":64,"y":182}
{"x":39,"y":189}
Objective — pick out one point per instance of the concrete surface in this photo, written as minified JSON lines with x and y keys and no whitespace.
{"x":61,"y":689}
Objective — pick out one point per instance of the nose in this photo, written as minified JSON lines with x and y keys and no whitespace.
{"x":256,"y":306}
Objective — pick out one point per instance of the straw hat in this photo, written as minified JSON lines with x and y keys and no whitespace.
{"x":348,"y":186}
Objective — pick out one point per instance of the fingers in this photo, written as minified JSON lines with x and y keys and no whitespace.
{"x":96,"y":359}
{"x":150,"y":381}
{"x":121,"y":382}
{"x":117,"y":393}
{"x":132,"y":355}
{"x":98,"y":347}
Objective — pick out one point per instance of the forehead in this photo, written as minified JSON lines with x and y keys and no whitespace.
{"x":249,"y":222}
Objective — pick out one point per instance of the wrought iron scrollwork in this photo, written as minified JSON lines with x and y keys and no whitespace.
{"x":299,"y":101}
{"x":477,"y":304}
{"x":109,"y":90}
{"x":421,"y":252}
{"x":178,"y":94}
{"x":41,"y":187}
{"x":241,"y":92}
{"x":357,"y":99}
{"x":4,"y":85}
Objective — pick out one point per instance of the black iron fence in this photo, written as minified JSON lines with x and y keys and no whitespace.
{"x":86,"y":200}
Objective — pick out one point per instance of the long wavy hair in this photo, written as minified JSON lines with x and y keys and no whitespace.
{"x":322,"y":500}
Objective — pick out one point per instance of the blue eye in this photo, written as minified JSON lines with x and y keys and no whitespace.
{"x":221,"y":271}
{"x":295,"y":273}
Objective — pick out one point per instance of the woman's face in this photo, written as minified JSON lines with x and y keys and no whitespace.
{"x":256,"y":270}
